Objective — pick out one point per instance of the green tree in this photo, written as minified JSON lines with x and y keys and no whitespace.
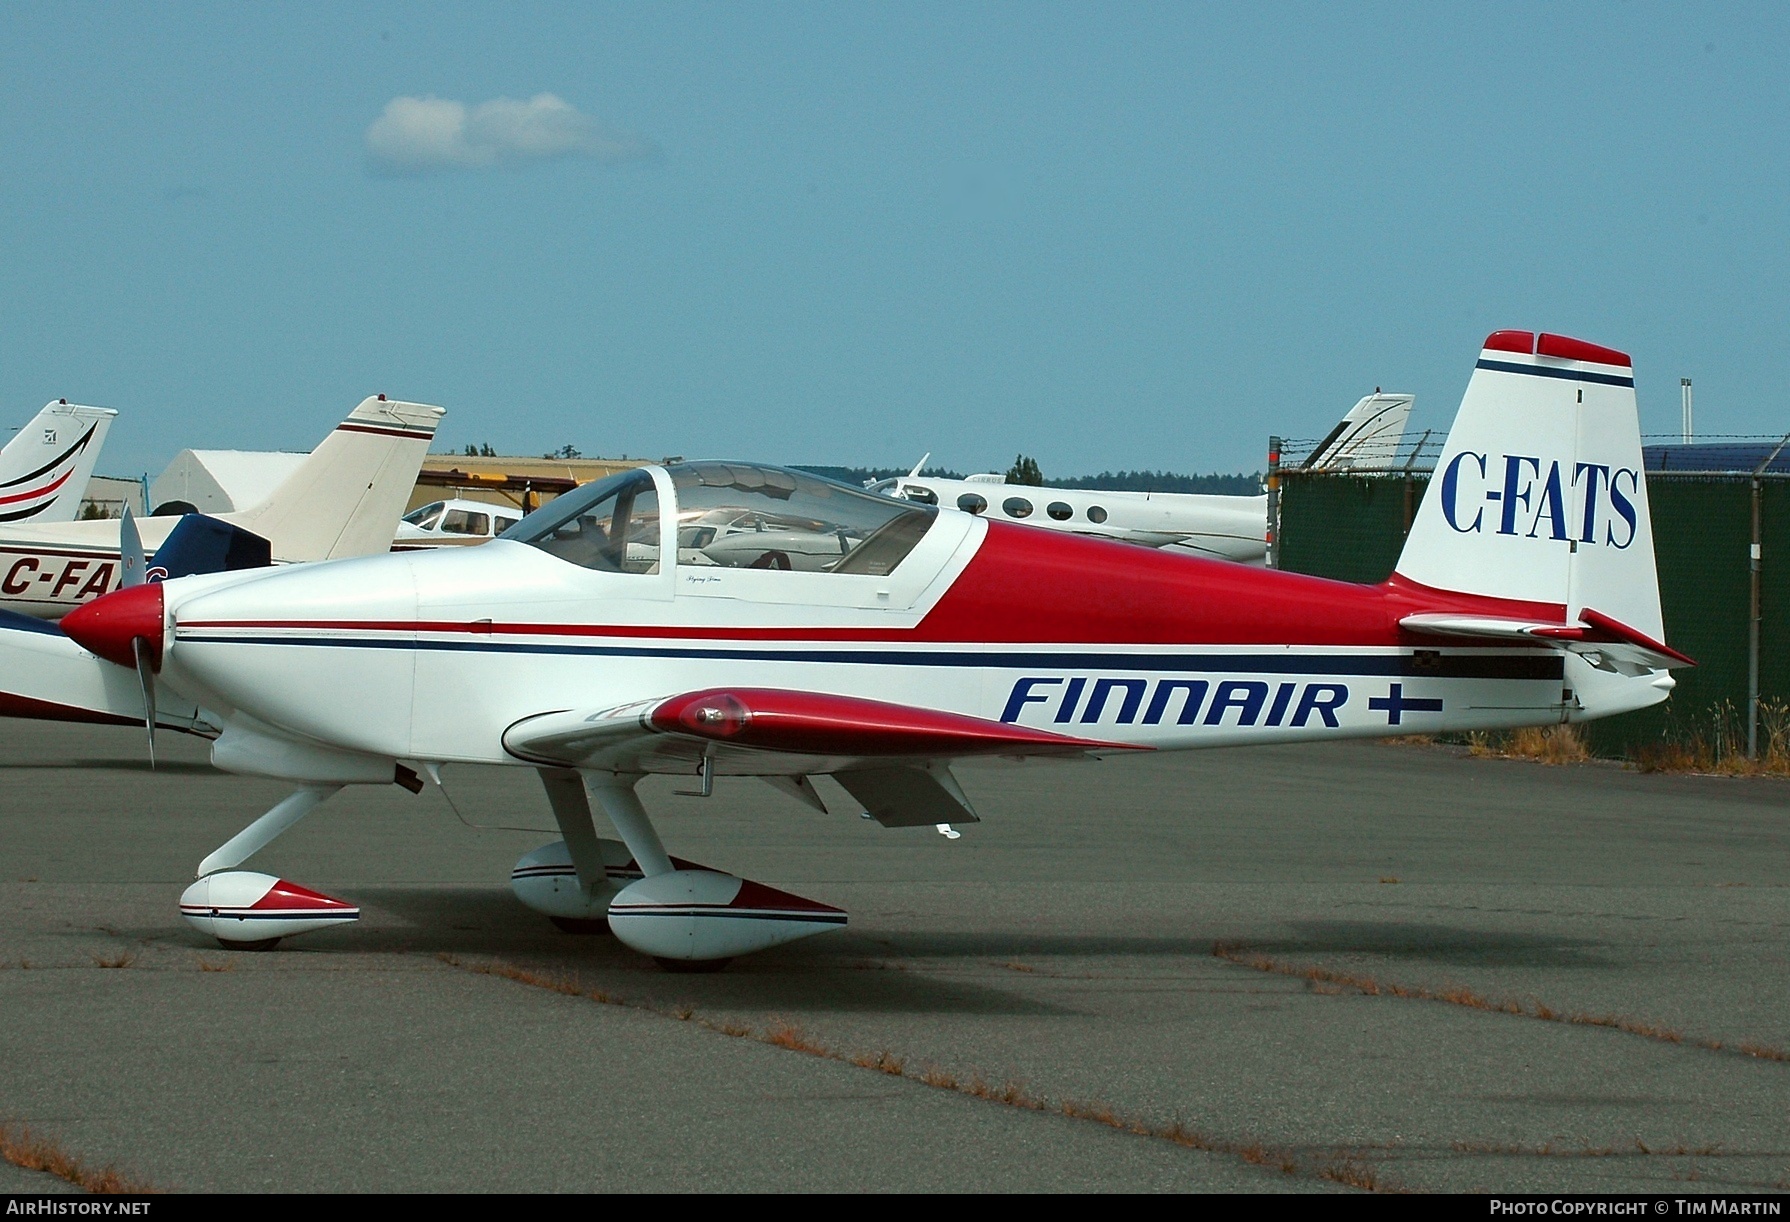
{"x":1025,"y":471}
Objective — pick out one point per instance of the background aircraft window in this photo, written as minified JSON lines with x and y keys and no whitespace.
{"x":745,"y":516}
{"x":1017,"y":507}
{"x":611,"y":525}
{"x":465,"y":522}
{"x":1096,"y":514}
{"x":424,"y":518}
{"x":969,"y":502}
{"x":1059,"y":511}
{"x":504,"y":523}
{"x":924,"y":496}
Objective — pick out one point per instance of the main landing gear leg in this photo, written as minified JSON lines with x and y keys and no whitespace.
{"x":571,"y":810}
{"x":265,"y":830}
{"x":614,"y":792}
{"x":245,"y":910}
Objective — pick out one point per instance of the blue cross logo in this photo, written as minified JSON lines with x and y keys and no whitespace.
{"x":1396,"y":702}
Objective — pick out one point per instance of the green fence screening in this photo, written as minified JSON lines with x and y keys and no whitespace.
{"x":1351,"y":528}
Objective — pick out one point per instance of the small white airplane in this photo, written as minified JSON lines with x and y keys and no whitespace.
{"x":344,"y":500}
{"x":1222,"y":527}
{"x":44,"y":469}
{"x":589,"y":645}
{"x":455,"y":522}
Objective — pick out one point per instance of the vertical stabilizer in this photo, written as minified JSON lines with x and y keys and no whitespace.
{"x":1539,"y":494}
{"x":346,"y":498}
{"x":1369,"y":436}
{"x":44,"y":469}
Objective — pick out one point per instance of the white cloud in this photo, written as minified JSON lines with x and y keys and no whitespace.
{"x":423,"y":135}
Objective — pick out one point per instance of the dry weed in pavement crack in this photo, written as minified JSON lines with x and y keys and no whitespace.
{"x":1327,"y":980}
{"x":1339,"y":1166}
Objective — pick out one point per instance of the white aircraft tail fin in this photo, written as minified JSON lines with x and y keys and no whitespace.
{"x":1368,"y":436}
{"x":44,"y":469}
{"x":1539,"y":496}
{"x":346,"y":498}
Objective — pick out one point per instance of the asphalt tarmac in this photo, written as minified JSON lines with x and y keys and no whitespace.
{"x":1288,"y":969}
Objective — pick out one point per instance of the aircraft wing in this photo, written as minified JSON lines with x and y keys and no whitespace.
{"x":890,"y":757}
{"x":1594,"y":634}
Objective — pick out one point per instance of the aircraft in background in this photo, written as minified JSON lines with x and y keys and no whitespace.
{"x":1221,"y":527}
{"x":44,"y":469}
{"x":586,"y":645}
{"x":344,"y":500}
{"x":455,"y":522}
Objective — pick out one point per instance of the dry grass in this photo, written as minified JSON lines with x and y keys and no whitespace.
{"x":34,"y":1152}
{"x":207,"y":965}
{"x":123,"y":958}
{"x":1715,"y":744}
{"x":1331,"y":1164}
{"x":1329,"y":981}
{"x":1560,"y":744}
{"x":781,"y":1034}
{"x":1352,"y":1173}
{"x":559,"y":983}
{"x":883,"y":1062}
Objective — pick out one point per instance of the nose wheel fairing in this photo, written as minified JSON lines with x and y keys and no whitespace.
{"x":246,"y":910}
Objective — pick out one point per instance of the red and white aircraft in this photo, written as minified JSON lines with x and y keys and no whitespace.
{"x":607,"y":637}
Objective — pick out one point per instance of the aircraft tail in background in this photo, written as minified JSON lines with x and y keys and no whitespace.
{"x":346,"y":498}
{"x":44,"y":469}
{"x":1369,"y":436}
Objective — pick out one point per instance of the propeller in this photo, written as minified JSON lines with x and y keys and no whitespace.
{"x":127,"y":626}
{"x":131,"y":563}
{"x":131,"y":569}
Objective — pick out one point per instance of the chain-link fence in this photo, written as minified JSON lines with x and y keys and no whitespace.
{"x":1721,"y":541}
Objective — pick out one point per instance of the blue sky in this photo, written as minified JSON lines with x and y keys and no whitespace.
{"x":1107,"y":235}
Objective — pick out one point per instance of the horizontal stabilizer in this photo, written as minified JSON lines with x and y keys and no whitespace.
{"x":1594,"y":634}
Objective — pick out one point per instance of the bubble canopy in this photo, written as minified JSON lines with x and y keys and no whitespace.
{"x":729,"y":515}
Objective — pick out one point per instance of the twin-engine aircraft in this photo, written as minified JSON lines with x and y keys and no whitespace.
{"x":1198,"y":524}
{"x":607,"y":636}
{"x":344,"y":500}
{"x":44,"y":469}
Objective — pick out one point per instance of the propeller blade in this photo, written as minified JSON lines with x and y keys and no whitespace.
{"x":131,"y":564}
{"x":146,"y":676}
